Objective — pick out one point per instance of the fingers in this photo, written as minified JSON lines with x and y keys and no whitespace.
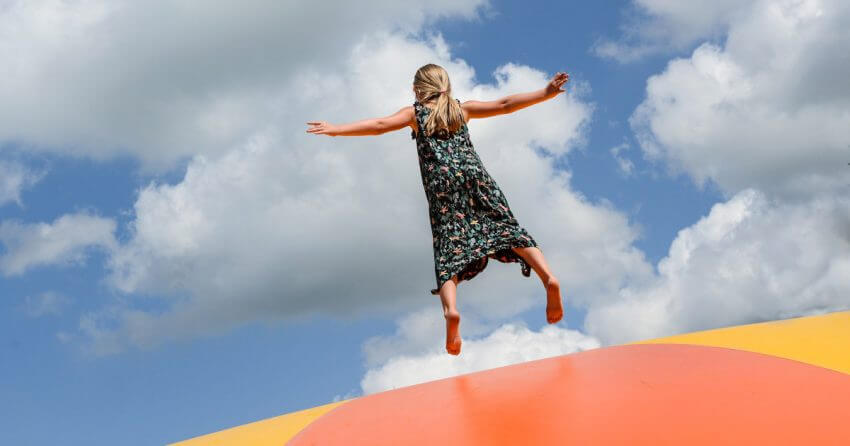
{"x":560,"y":79}
{"x":319,"y":127}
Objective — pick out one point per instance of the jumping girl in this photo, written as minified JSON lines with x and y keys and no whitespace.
{"x":470,"y":217}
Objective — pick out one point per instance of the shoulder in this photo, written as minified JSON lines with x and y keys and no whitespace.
{"x":409,"y":112}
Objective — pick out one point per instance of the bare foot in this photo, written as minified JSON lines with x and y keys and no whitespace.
{"x":554,"y":310}
{"x":453,"y":340}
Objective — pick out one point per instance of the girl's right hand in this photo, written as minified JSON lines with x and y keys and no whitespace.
{"x":322,"y":128}
{"x":554,"y":86}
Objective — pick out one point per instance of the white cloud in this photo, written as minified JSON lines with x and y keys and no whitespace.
{"x":48,"y":302}
{"x":751,"y":259}
{"x":625,"y":165}
{"x":160,"y":81}
{"x":660,"y":26}
{"x":511,"y":343}
{"x":15,"y":177}
{"x":770,"y":109}
{"x":419,"y":331}
{"x":64,"y":241}
{"x":764,"y":113}
{"x":290,"y":223}
{"x":270,"y":223}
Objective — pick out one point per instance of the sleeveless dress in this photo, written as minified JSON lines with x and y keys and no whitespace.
{"x":471,"y":220}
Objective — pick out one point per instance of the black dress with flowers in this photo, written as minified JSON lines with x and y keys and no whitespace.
{"x":470,"y":217}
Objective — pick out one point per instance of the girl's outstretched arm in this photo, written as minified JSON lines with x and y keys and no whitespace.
{"x":374,"y":126}
{"x":514,"y":102}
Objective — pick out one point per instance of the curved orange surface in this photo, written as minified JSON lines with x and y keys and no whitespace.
{"x":654,"y":394}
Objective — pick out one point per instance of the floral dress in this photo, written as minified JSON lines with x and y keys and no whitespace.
{"x":470,"y":217}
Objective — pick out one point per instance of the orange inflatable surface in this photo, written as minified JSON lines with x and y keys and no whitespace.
{"x":780,"y":382}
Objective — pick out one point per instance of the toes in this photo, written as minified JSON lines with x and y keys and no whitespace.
{"x":454,"y":348}
{"x":554,"y":316}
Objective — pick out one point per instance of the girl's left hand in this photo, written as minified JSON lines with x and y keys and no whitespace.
{"x":553,"y":88}
{"x":322,"y":128}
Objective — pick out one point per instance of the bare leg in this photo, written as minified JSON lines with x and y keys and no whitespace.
{"x":534,"y":257}
{"x":448,"y":294}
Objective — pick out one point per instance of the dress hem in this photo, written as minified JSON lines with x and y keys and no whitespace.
{"x":483,"y":260}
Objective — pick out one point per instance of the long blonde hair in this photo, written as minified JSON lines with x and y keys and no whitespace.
{"x":432,"y":81}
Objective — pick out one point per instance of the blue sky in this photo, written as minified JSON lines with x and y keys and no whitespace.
{"x":177,"y":257}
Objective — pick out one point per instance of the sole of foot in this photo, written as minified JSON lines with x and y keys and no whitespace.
{"x":554,"y":309}
{"x":453,"y":340}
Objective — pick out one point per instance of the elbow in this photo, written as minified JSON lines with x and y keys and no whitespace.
{"x":506,"y":107}
{"x":380,"y":127}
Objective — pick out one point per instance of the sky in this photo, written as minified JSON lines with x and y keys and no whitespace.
{"x":178,"y":256}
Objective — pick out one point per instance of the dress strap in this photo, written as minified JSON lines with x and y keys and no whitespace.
{"x":417,"y":111}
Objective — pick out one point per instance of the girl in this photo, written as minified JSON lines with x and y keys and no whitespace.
{"x":470,"y":217}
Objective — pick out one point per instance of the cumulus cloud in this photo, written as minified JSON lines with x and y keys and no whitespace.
{"x":769,"y":109}
{"x":162,"y":82}
{"x":751,"y":259}
{"x":14,"y":178}
{"x":64,"y":241}
{"x":764,"y":113}
{"x":289,"y":223}
{"x":511,"y":343}
{"x":661,"y":26}
{"x":417,"y":332}
{"x":270,"y":223}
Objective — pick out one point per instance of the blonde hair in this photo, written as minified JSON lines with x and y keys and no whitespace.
{"x":432,"y":81}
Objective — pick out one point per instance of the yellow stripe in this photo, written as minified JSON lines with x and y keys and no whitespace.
{"x":822,"y":340}
{"x":271,"y":431}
